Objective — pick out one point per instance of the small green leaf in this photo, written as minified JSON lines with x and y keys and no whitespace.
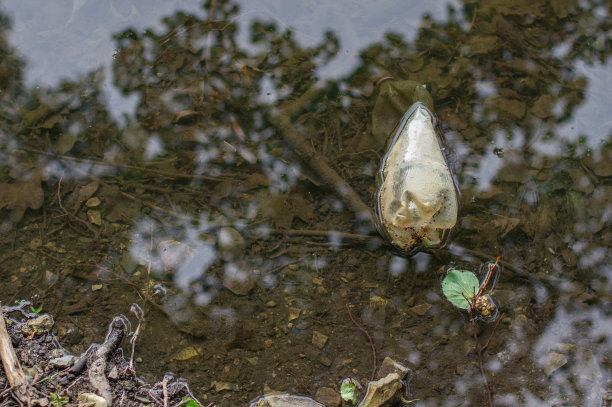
{"x":57,"y":400}
{"x":189,"y":402}
{"x":459,"y":285}
{"x":349,"y":391}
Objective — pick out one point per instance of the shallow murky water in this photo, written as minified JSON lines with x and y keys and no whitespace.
{"x":155,"y":154}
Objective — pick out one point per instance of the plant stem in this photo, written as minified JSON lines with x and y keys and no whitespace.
{"x":482,"y":372}
{"x":492,"y":332}
{"x":348,"y":308}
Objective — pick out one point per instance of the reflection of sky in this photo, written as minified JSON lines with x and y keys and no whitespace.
{"x":79,"y":46}
{"x":591,"y":119}
{"x":571,"y":350}
{"x":79,"y":32}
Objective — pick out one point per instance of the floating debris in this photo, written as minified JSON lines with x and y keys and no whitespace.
{"x":416,"y":200}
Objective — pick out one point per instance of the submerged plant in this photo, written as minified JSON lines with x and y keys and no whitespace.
{"x":463,"y":289}
{"x":57,"y":400}
{"x":351,"y":391}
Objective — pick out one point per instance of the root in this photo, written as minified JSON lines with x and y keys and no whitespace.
{"x":12,"y":368}
{"x":97,"y":368}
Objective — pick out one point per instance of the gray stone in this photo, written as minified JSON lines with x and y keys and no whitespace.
{"x":91,"y":400}
{"x":391,"y":366}
{"x":63,"y":362}
{"x":284,"y":400}
{"x":328,"y":396}
{"x":381,"y":391}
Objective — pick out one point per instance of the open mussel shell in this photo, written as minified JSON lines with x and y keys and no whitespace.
{"x":417,"y":197}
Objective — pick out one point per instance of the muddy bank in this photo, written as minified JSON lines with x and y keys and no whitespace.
{"x":38,"y":371}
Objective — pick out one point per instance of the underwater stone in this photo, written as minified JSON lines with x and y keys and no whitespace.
{"x":381,"y":391}
{"x":417,"y":200}
{"x":284,"y":400}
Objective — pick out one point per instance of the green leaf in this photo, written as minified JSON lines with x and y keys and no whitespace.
{"x":190,"y":402}
{"x":349,"y":391}
{"x":57,"y":400}
{"x":459,"y":285}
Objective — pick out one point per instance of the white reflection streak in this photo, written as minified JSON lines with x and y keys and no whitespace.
{"x":583,"y":337}
{"x":397,"y":266}
{"x":335,"y":240}
{"x":154,"y":147}
{"x":195,"y":267}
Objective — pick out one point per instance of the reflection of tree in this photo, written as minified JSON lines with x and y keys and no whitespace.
{"x":500,"y":75}
{"x":11,"y":66}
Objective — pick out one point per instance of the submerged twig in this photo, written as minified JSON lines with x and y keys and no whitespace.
{"x":318,"y":233}
{"x":486,"y":345}
{"x":168,"y":174}
{"x":71,"y":215}
{"x":480,"y":349}
{"x":314,"y":159}
{"x":348,"y":307}
{"x":482,"y":372}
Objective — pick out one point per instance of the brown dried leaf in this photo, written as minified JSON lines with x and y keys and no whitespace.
{"x":511,"y":107}
{"x":86,"y":192}
{"x":276,"y":208}
{"x":302,"y":208}
{"x":504,"y":225}
{"x":21,"y":195}
{"x":257,"y":179}
{"x":393,"y":99}
{"x":65,"y":143}
{"x":543,"y":106}
{"x":482,"y":44}
{"x":561,"y":8}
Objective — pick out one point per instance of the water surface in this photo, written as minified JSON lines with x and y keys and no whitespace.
{"x":144,"y":161}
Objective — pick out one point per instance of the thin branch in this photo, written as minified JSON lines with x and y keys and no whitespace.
{"x":168,"y":174}
{"x":348,"y":307}
{"x":482,"y":372}
{"x":314,"y":159}
{"x":492,"y":332}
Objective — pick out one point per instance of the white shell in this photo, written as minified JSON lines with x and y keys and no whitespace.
{"x":417,"y":201}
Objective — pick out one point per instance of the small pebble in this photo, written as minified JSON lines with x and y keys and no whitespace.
{"x":319,"y":339}
{"x":94,"y":217}
{"x":328,"y":396}
{"x":93,"y":202}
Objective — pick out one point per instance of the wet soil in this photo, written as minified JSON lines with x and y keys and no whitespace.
{"x":199,"y":208}
{"x":56,"y":377}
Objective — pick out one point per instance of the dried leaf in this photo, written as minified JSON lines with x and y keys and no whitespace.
{"x":276,"y":208}
{"x":393,"y":99}
{"x":543,"y":106}
{"x":52,"y":121}
{"x":504,"y":225}
{"x":302,"y":208}
{"x":86,"y":192}
{"x":482,"y":44}
{"x":257,"y":180}
{"x":561,"y":8}
{"x":21,"y":195}
{"x":65,"y":143}
{"x":512,"y":107}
